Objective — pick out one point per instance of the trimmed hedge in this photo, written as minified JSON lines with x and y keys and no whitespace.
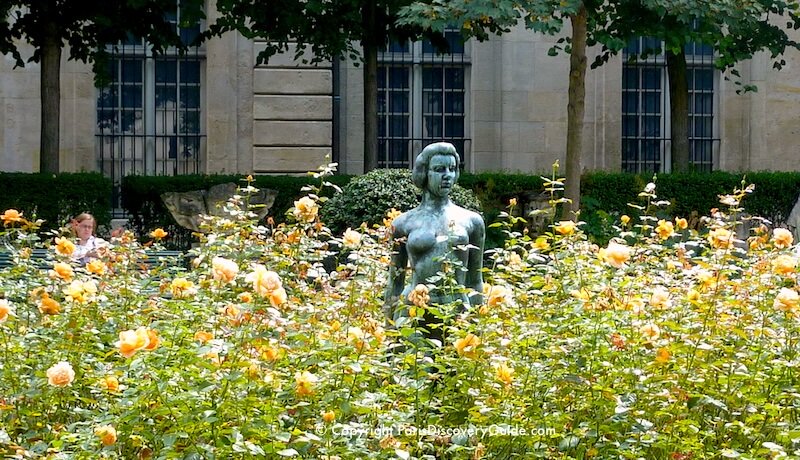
{"x":57,"y":198}
{"x":605,"y":195}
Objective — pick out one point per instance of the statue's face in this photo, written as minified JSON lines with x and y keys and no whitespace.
{"x":442,"y":174}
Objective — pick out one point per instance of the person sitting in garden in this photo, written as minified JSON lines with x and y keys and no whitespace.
{"x":88,"y":246}
{"x":437,"y":236}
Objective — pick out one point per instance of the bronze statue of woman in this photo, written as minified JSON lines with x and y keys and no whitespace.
{"x":436,"y":237}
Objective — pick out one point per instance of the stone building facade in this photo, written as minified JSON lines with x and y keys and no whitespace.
{"x":503,"y":102}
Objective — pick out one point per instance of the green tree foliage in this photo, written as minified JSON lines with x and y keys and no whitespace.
{"x":83,"y":28}
{"x":329,"y":29}
{"x":480,"y":18}
{"x":736,"y":29}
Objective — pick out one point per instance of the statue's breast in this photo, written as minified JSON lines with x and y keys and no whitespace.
{"x":421,"y":240}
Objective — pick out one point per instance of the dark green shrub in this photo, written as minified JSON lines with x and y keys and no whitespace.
{"x":56,"y":198}
{"x":367,"y":198}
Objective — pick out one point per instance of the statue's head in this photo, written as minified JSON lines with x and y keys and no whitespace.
{"x":420,"y":173}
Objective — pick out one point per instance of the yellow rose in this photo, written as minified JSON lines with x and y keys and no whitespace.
{"x":182,"y":288}
{"x":223,"y":269}
{"x":64,"y":246}
{"x":468,"y":345}
{"x":390,"y":217}
{"x":681,"y":223}
{"x":504,"y":373}
{"x":61,"y":374}
{"x":351,"y":238}
{"x":782,"y":238}
{"x":625,"y":219}
{"x":48,"y":306}
{"x":5,"y":309}
{"x":110,"y":383}
{"x":720,"y":238}
{"x":784,"y":265}
{"x":62,"y":270}
{"x":131,"y":341}
{"x":96,"y":266}
{"x":786,"y":301}
{"x":650,"y":331}
{"x":565,"y":227}
{"x":305,"y":209}
{"x":10,"y":216}
{"x":158,"y":234}
{"x":665,"y":229}
{"x":305,"y":383}
{"x":659,"y":298}
{"x":107,"y":434}
{"x":328,"y":416}
{"x":496,"y":295}
{"x":541,"y":243}
{"x":615,"y":254}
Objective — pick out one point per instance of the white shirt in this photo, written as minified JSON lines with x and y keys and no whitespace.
{"x":82,"y":250}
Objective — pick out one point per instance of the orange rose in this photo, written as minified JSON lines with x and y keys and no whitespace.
{"x":110,"y":383}
{"x":419,"y":296}
{"x":153,"y":340}
{"x":131,"y":341}
{"x":158,"y":234}
{"x":5,"y":309}
{"x":107,"y":434}
{"x":48,"y":306}
{"x":203,"y":336}
{"x":61,"y":374}
{"x":10,"y":216}
{"x":277,"y":297}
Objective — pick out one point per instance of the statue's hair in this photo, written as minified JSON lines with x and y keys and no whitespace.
{"x":420,"y":173}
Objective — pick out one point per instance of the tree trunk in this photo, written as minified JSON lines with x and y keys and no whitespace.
{"x":370,"y":92}
{"x":575,"y":112}
{"x":50,"y":102}
{"x":679,"y":110}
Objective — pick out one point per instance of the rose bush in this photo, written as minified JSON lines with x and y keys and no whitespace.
{"x":664,"y":344}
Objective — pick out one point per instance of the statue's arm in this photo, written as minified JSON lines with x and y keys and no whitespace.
{"x":475,"y":261}
{"x":397,"y":275}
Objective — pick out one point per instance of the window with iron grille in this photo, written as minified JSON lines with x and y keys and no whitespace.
{"x":422,"y":98}
{"x":149,"y":117}
{"x":646,"y":113}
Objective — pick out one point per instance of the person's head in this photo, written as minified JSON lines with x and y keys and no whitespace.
{"x":423,"y":161}
{"x":84,"y":225}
